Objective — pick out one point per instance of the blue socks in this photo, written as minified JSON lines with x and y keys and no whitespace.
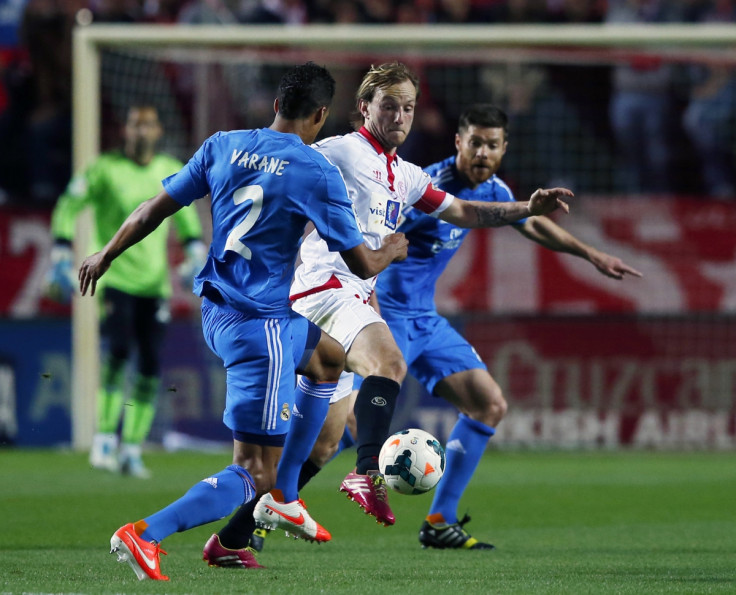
{"x":464,"y":449}
{"x":311,"y":402}
{"x":211,"y":499}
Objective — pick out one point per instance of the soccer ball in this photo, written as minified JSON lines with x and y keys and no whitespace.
{"x":412,"y":461}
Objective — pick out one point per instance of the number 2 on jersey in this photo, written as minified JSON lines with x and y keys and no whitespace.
{"x":255,"y":194}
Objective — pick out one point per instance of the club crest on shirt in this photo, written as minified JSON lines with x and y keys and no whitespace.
{"x":393,"y":209}
{"x":401,"y":190}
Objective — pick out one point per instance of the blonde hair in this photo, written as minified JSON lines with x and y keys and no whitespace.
{"x":382,"y":76}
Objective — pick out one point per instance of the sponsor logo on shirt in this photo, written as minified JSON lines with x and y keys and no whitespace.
{"x":393,"y":208}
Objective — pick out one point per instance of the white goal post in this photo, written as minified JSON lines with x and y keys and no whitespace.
{"x":389,"y":42}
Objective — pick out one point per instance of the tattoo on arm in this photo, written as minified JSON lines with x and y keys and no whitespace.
{"x":491,"y":215}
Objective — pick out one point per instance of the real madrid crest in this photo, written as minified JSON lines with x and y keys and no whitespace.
{"x":285,"y":412}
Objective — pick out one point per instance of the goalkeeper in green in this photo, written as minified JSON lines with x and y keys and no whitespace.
{"x":136,"y":288}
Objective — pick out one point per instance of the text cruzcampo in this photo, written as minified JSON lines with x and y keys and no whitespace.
{"x":270,"y":165}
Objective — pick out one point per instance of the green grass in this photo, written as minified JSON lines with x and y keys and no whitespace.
{"x":562,"y":523}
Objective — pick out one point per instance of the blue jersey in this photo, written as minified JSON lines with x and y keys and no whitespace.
{"x":265,"y":186}
{"x":406,"y":289}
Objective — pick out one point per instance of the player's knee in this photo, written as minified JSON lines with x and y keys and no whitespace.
{"x":330,"y":361}
{"x":498,"y":408}
{"x":263,"y":476}
{"x":323,"y":452}
{"x":392,"y":366}
{"x":490,"y":410}
{"x":333,"y":359}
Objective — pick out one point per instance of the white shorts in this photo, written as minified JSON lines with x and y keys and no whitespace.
{"x":342,"y":314}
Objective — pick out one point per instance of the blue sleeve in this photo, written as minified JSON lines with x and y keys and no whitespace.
{"x":190,"y":182}
{"x":334,"y":219}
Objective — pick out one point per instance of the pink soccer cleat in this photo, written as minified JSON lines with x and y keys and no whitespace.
{"x":215,"y":554}
{"x":370,"y":493}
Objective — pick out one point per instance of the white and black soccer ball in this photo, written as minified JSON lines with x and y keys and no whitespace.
{"x":412,"y":461}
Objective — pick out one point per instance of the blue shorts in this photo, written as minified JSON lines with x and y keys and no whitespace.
{"x":260,"y":356}
{"x":433,"y":350}
{"x":305,"y":336}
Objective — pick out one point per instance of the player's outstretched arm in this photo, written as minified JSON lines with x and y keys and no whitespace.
{"x":546,"y":232}
{"x":473,"y":213}
{"x":366,"y":263}
{"x":146,"y":217}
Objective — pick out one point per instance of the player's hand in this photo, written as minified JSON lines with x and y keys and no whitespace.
{"x":91,"y":270}
{"x":59,"y":281}
{"x":544,"y":201}
{"x":397,"y":243}
{"x":612,"y":266}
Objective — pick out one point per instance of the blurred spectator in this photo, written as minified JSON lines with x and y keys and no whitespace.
{"x":209,"y":12}
{"x":333,"y":11}
{"x":642,"y":106}
{"x":575,"y":11}
{"x":710,"y":116}
{"x":519,"y":11}
{"x":35,"y":155}
{"x":162,"y":11}
{"x":461,"y":11}
{"x":116,"y":11}
{"x":377,"y":12}
{"x":11,"y":56}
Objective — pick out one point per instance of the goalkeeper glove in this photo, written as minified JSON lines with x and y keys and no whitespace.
{"x":196,"y":256}
{"x":60,"y":281}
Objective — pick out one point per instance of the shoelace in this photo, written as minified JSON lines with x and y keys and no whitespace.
{"x":461,"y":524}
{"x":379,"y":484}
{"x":158,"y":550}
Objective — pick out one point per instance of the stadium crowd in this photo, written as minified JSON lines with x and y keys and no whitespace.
{"x":652,"y":117}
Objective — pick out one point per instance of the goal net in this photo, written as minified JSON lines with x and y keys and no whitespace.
{"x":605,"y":110}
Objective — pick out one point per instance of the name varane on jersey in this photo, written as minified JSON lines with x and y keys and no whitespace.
{"x":271,"y":165}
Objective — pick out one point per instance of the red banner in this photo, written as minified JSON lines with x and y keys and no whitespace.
{"x":25,"y":245}
{"x":595,"y":381}
{"x":685,"y":248}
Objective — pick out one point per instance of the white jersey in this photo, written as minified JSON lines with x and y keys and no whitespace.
{"x":379,"y":186}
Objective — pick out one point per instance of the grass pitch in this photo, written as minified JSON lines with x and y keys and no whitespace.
{"x":562,"y":523}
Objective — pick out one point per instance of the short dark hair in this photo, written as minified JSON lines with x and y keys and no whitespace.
{"x":304,"y":89}
{"x":485,"y":115}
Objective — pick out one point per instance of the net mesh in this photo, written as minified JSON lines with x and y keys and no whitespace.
{"x":601,"y":121}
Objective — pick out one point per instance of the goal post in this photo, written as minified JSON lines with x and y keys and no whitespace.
{"x":351,"y":48}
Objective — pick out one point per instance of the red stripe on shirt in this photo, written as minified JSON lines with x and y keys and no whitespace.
{"x":390,"y":157}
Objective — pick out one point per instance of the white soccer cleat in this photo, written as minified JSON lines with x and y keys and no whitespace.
{"x":104,"y":453}
{"x":131,"y":463}
{"x":292,"y":517}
